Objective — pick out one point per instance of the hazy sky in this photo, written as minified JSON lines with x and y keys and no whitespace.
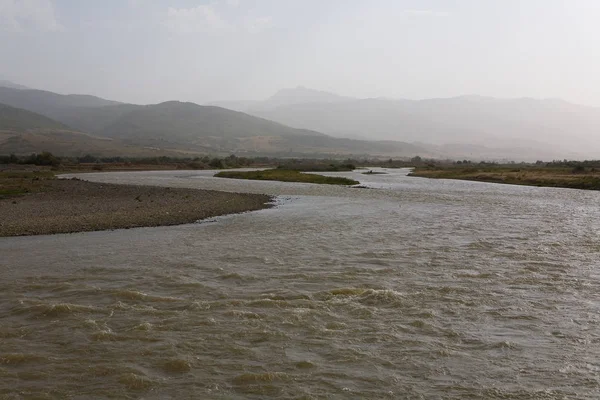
{"x":148,"y":51}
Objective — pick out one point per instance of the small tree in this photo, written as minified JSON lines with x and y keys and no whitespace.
{"x":45,"y":158}
{"x":87,"y":159}
{"x":11,"y":159}
{"x":216,"y":163}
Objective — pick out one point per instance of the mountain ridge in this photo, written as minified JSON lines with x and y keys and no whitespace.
{"x":12,"y":85}
{"x":20,"y":120}
{"x":287,"y":123}
{"x":549,"y":127}
{"x":186,"y":126}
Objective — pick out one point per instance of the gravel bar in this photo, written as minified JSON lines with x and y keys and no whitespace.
{"x":72,"y":205}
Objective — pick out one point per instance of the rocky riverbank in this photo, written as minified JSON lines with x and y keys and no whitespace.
{"x":64,"y":206}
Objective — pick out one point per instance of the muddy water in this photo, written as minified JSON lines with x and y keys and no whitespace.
{"x":413,"y":289}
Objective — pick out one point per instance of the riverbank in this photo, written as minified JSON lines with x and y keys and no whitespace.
{"x":573,"y":178}
{"x":39,"y":205}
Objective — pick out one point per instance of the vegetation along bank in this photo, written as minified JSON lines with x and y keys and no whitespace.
{"x":285,"y":175}
{"x":565,"y":174}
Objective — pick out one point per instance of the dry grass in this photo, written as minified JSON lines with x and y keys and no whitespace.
{"x":18,"y":183}
{"x":531,"y":176}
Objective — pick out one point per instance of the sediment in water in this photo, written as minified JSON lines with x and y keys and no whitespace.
{"x":78,"y":206}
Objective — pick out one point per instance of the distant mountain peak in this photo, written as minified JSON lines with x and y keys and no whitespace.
{"x":172,"y":103}
{"x":302,"y":94}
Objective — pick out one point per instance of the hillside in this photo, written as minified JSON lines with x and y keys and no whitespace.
{"x":313,"y":146}
{"x":69,"y":143}
{"x":180,"y":125}
{"x":25,"y":132}
{"x":50,"y":104}
{"x":94,"y":119}
{"x":19,"y":120}
{"x":179,"y":121}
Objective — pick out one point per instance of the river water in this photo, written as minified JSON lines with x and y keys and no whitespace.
{"x":414,"y":289}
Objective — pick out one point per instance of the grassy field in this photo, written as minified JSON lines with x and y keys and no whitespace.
{"x":286,"y":176}
{"x":18,"y":183}
{"x":573,"y":178}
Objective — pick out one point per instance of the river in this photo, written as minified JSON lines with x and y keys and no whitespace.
{"x":412,"y":289}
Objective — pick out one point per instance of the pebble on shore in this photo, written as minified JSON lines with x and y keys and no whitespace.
{"x":78,"y":206}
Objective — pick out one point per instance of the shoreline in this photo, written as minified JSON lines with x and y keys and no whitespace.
{"x":73,"y":205}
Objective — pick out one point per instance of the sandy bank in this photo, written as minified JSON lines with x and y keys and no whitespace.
{"x":76,"y":206}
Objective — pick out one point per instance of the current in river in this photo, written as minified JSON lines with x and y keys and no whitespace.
{"x":410,"y":289}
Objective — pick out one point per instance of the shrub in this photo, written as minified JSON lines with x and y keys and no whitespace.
{"x":45,"y":158}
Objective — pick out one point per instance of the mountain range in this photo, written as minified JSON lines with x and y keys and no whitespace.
{"x":25,"y":132}
{"x":167,"y":128}
{"x":300,"y":122}
{"x":465,"y":124}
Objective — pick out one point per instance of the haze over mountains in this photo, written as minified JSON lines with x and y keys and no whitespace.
{"x":465,"y":124}
{"x":302,"y":121}
{"x":171,"y":127}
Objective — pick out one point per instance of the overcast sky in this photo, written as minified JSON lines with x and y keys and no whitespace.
{"x":147,"y":51}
